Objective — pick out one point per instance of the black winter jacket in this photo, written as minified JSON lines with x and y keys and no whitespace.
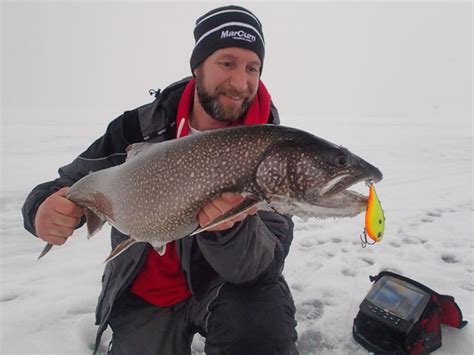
{"x":252,"y":251}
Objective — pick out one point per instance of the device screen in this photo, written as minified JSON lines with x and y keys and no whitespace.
{"x":397,"y":298}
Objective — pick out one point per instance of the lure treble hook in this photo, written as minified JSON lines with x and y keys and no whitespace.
{"x":363,"y":239}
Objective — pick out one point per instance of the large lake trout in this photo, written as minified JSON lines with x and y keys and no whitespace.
{"x":156,"y":194}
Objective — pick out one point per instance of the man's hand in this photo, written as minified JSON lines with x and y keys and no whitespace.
{"x":57,"y":217}
{"x":220,"y":205}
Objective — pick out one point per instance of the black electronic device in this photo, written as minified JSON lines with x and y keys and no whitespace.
{"x":401,"y":316}
{"x":395,"y":303}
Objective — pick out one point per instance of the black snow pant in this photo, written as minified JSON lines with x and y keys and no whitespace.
{"x":256,"y":319}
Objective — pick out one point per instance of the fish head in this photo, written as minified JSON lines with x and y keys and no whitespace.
{"x":315,"y":172}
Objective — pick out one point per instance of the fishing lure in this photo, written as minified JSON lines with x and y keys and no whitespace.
{"x":374,"y":219}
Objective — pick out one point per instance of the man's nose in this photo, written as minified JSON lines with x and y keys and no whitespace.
{"x":239,"y":80}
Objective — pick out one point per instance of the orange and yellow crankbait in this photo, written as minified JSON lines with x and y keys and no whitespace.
{"x":374,"y":219}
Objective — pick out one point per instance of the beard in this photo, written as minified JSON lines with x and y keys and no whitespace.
{"x":217,"y":110}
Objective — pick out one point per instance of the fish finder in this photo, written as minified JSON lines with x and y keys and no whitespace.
{"x":395,"y":303}
{"x":402,"y":316}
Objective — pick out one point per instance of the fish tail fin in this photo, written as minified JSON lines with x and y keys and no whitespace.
{"x":94,"y":223}
{"x":249,"y":202}
{"x":45,"y":250}
{"x":119,"y":249}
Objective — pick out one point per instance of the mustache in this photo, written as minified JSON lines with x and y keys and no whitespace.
{"x":232,"y":92}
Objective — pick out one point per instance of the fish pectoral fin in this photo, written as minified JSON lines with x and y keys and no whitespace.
{"x":45,"y":250}
{"x":119,"y":249}
{"x":249,"y":202}
{"x":136,"y":148}
{"x":94,"y":223}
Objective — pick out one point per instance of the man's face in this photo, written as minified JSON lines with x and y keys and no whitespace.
{"x":227,"y":81}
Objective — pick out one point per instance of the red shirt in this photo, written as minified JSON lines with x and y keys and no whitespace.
{"x":161,"y":280}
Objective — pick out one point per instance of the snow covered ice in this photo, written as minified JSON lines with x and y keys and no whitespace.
{"x":407,"y":110}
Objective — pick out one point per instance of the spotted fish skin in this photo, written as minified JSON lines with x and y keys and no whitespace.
{"x":157,"y":193}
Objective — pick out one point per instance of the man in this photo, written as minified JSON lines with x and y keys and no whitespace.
{"x":224,"y":283}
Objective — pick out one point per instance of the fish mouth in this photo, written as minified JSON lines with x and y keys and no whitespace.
{"x":336,"y":194}
{"x":346,"y":199}
{"x":343,"y":181}
{"x":338,"y":184}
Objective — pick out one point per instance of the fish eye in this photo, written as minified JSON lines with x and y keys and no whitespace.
{"x":341,"y":161}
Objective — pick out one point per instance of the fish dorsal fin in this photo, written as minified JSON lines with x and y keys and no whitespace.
{"x":137,"y":148}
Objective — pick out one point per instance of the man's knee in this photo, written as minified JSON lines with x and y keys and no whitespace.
{"x":255,"y":319}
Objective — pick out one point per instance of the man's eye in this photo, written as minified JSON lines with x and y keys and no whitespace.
{"x":253,"y":70}
{"x":226,"y":64}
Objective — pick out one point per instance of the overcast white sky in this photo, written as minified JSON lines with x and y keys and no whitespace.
{"x":323,"y":58}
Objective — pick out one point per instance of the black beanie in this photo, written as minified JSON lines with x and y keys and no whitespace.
{"x":228,"y":26}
